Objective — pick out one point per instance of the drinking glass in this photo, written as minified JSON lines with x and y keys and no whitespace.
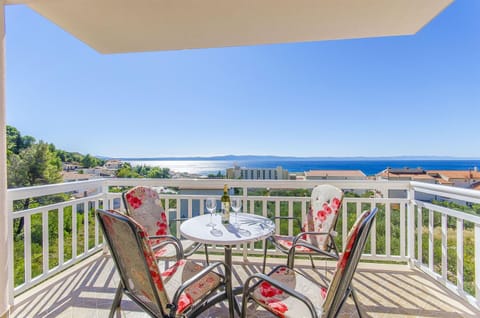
{"x":236,"y":205}
{"x":211,"y":205}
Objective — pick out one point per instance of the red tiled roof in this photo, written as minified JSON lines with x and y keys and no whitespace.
{"x":456,"y":174}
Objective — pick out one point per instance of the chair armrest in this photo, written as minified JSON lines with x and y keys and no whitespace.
{"x":169,"y":239}
{"x":291,"y":252}
{"x":299,"y":235}
{"x":262,"y":277}
{"x":195,"y":278}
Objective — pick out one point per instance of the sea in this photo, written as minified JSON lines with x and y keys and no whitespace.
{"x":368,"y":166}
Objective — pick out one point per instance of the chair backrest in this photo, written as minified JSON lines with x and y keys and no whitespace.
{"x":347,"y":264}
{"x":323,"y":213}
{"x":144,"y":205}
{"x":134,"y":260}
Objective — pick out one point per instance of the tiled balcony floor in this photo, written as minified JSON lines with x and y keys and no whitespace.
{"x":384,"y":290}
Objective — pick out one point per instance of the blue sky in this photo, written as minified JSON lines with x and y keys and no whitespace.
{"x":409,"y":95}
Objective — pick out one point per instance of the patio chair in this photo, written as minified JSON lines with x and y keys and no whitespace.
{"x":144,"y":205}
{"x":286,"y":292}
{"x":318,"y":228}
{"x":184,"y":288}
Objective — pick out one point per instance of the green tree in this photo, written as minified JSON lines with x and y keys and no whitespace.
{"x":35,"y":165}
{"x":16,"y":142}
{"x":90,"y":161}
{"x":157,"y":172}
{"x":126,"y":171}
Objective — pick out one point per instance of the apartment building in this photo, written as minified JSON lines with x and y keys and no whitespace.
{"x":277,"y":173}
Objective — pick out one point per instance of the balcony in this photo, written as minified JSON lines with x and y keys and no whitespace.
{"x":422,"y":259}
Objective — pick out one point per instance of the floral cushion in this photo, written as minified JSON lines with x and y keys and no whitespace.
{"x":180,"y":272}
{"x":131,"y":260}
{"x":168,"y":281}
{"x":342,"y":262}
{"x":283,"y":305}
{"x":144,"y":205}
{"x":322,"y":215}
{"x":286,"y":242}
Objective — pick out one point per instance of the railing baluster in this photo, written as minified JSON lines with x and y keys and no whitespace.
{"x":27,"y":232}
{"x":74,"y":231}
{"x":387,"y":229}
{"x":430,"y":239}
{"x":201,"y":202}
{"x":419,"y":234}
{"x":411,"y":226}
{"x":45,"y":243}
{"x":178,"y":215}
{"x":277,"y":214}
{"x":402,"y":230}
{"x":444,"y":247}
{"x":460,"y":255}
{"x":61,"y":226}
{"x":85,"y":227}
{"x":290,"y":214}
{"x":189,"y":209}
{"x":96,"y":206}
{"x":373,"y":238}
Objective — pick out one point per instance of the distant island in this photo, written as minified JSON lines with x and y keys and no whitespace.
{"x":286,"y":158}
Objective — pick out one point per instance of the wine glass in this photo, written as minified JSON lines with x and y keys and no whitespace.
{"x":236,"y":205}
{"x":211,"y":205}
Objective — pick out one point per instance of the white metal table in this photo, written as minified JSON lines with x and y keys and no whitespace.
{"x":252,"y":228}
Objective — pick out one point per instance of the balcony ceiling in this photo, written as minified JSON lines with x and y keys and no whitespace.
{"x":118,"y":26}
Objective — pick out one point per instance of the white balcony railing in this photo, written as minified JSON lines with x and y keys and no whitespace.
{"x":407,"y":229}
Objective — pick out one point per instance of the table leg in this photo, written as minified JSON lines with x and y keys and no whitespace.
{"x":228,"y":275}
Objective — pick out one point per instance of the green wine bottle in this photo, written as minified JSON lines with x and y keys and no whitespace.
{"x":225,"y":206}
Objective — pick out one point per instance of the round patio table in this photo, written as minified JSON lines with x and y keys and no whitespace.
{"x":251,"y":228}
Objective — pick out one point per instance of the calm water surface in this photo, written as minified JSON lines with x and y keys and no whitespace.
{"x":369,"y":167}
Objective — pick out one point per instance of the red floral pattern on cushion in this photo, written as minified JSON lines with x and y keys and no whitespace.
{"x":173,"y":269}
{"x":134,"y":201}
{"x":287,"y":243}
{"x":277,"y":307}
{"x":282,"y":304}
{"x":144,"y":205}
{"x":322,"y":214}
{"x":184,"y":302}
{"x":267,"y":290}
{"x":323,"y":292}
{"x":180,"y":272}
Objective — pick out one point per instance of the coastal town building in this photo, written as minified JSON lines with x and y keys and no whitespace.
{"x":457,"y":178}
{"x":405,"y":174}
{"x":277,"y":173}
{"x":469,"y":179}
{"x":113,"y":164}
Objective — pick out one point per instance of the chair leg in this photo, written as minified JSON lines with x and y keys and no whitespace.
{"x":117,"y":300}
{"x":265,"y":248}
{"x":311,"y":261}
{"x":245,"y":300}
{"x":206,"y":254}
{"x":355,"y":301}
